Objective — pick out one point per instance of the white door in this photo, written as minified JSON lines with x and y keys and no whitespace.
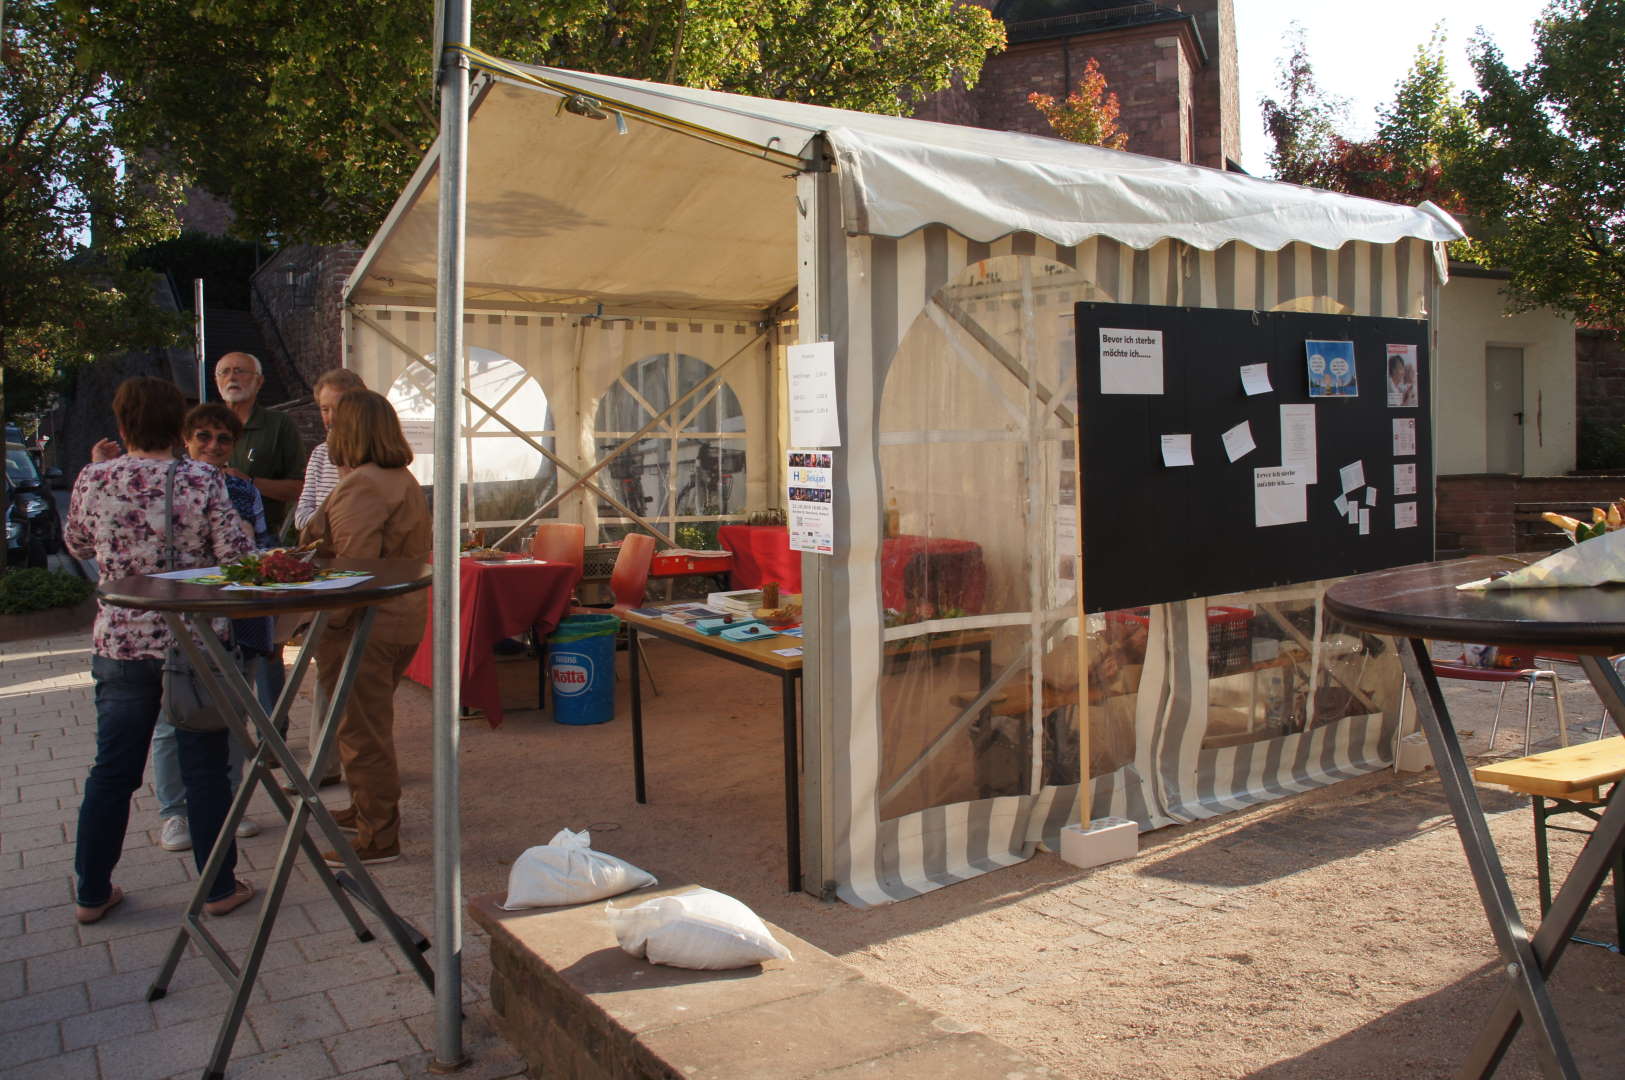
{"x":1503,"y":409}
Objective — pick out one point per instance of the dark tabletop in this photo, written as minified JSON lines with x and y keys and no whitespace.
{"x":1423,"y":601}
{"x":390,"y":578}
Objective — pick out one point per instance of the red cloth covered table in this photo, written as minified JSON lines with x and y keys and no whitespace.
{"x":499,"y":600}
{"x":913,"y":569}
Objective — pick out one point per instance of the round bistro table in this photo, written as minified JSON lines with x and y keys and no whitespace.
{"x":1416,"y":603}
{"x":188,"y":609}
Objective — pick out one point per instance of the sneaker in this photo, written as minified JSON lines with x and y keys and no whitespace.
{"x":176,"y":836}
{"x":344,"y":818}
{"x":247,"y":827}
{"x":369,"y":856}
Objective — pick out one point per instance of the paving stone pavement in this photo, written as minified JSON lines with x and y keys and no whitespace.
{"x":73,"y":998}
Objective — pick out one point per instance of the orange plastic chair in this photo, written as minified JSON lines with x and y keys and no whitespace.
{"x":561,"y":542}
{"x":556,"y":542}
{"x":627,"y":583}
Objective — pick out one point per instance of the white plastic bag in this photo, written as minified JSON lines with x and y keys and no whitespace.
{"x":697,"y":928}
{"x":568,"y":871}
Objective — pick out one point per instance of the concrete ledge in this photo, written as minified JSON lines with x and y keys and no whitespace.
{"x":578,"y":1008}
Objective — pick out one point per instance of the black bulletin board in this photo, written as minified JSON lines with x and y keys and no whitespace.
{"x":1153,"y":534}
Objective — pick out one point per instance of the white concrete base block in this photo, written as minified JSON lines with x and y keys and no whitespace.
{"x":1104,"y":840}
{"x":1414,"y":755}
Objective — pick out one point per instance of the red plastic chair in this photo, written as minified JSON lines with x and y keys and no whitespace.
{"x":1506,"y":676}
{"x":1570,"y":658}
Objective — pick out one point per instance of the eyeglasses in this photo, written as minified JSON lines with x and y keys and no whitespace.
{"x":219,"y":438}
{"x":226,"y":373}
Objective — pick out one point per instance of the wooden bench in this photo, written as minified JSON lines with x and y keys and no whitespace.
{"x":579,"y":1008}
{"x":1569,"y":780}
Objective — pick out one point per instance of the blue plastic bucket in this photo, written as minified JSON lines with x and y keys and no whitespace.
{"x":581,"y":668}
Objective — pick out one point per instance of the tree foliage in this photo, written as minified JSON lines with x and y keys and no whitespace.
{"x":1303,"y":124}
{"x":308,"y":117}
{"x":1544,"y":174}
{"x":1089,"y":113}
{"x":1404,"y":162}
{"x":63,"y":182}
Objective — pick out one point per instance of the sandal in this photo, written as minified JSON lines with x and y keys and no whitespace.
{"x":241,"y":895}
{"x":84,"y":916}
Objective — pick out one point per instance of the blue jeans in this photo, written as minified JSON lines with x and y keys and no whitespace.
{"x":166,"y":762}
{"x":129,"y":698}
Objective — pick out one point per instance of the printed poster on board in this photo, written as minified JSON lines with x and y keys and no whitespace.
{"x":1403,"y":392}
{"x":1331,"y":369}
{"x":810,"y":490}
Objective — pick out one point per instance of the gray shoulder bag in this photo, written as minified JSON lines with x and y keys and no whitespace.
{"x":186,"y":703}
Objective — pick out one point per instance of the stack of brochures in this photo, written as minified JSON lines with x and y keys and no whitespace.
{"x":739,"y":602}
{"x":689,"y":613}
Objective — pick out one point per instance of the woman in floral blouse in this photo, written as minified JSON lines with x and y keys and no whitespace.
{"x":117,"y":517}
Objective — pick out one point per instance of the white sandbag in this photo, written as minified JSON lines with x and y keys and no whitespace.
{"x":568,"y":871}
{"x":696,"y":928}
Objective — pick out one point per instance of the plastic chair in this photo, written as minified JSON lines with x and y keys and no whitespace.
{"x":627,"y":583}
{"x":1506,"y":676}
{"x":1570,"y":658}
{"x":556,"y":542}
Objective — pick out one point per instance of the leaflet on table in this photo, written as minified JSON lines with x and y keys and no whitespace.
{"x":341,"y":581}
{"x":810,"y":489}
{"x":187,"y":575}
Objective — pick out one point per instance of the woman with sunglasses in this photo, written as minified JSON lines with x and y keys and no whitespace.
{"x":210,"y":432}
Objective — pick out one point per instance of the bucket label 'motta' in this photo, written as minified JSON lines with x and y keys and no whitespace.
{"x":572,"y":673}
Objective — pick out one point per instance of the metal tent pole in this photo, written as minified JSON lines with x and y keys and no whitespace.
{"x":452,"y":33}
{"x":202,"y":354}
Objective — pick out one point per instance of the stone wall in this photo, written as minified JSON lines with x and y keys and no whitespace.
{"x":298,"y":296}
{"x":1150,"y":69}
{"x":1217,"y":96}
{"x":1476,"y":514}
{"x":1599,"y":369}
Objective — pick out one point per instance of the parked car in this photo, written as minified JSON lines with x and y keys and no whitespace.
{"x":33,"y":525}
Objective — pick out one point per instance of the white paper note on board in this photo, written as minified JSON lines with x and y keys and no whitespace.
{"x":814,"y":420}
{"x":1278,"y":497}
{"x":1298,"y":441}
{"x":1176,"y":451}
{"x":1405,"y":479}
{"x":1404,"y":515}
{"x":1352,"y":475}
{"x":1371,"y":496}
{"x":1238,"y":441}
{"x":1342,"y":504}
{"x":1365,"y":521}
{"x":1255,"y":379}
{"x":1405,"y":437}
{"x":1130,"y":361}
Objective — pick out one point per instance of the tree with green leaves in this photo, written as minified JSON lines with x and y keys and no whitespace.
{"x":1404,"y":162}
{"x":1544,"y":172}
{"x":1303,"y":124}
{"x":1089,"y":113}
{"x":308,"y":117}
{"x":72,"y":208}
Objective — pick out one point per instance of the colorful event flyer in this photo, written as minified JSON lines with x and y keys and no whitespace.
{"x":808,"y":477}
{"x":1331,"y":369}
{"x":1403,"y":388}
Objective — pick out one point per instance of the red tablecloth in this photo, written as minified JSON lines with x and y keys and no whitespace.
{"x":499,"y":600}
{"x":947,"y":572}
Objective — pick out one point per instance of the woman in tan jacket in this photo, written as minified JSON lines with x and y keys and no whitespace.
{"x":377,"y":511}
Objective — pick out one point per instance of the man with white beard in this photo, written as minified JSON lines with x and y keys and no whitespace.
{"x":270,"y":452}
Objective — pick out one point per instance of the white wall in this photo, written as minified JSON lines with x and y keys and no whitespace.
{"x":1472,"y":316}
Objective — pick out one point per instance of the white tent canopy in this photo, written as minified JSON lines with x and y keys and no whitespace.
{"x":624,"y":216}
{"x":628,"y":241}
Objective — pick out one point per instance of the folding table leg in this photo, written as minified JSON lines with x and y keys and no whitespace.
{"x":227,"y":687}
{"x":1525,"y":975}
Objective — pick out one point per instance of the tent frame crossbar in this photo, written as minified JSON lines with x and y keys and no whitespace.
{"x":559,"y":462}
{"x":603,"y":462}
